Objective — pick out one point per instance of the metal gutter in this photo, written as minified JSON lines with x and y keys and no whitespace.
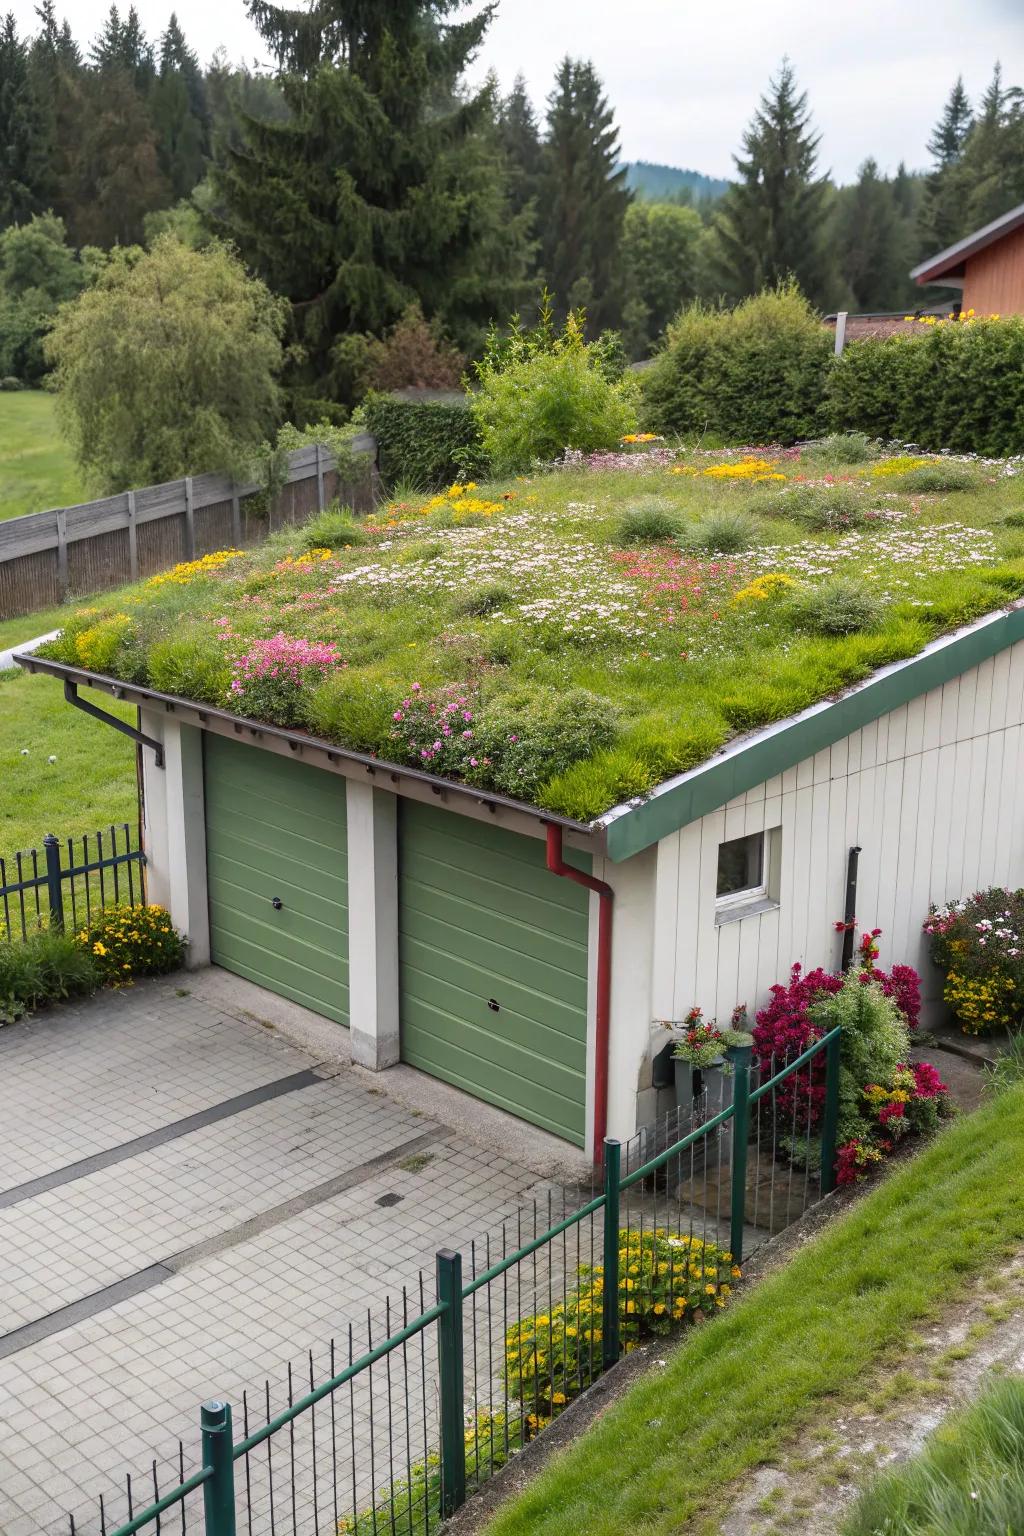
{"x":300,"y":742}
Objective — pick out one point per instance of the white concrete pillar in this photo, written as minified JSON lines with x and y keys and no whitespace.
{"x":174,"y":830}
{"x":373,"y":925}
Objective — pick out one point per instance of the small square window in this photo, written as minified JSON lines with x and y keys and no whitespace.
{"x":741,"y":869}
{"x":749,"y":875}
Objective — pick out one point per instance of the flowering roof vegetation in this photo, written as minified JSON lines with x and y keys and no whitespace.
{"x":576,"y":637}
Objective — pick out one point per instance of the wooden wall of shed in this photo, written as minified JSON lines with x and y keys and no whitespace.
{"x":994,"y":278}
{"x":929,"y":792}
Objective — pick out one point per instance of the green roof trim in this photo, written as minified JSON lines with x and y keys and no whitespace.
{"x":760,"y":757}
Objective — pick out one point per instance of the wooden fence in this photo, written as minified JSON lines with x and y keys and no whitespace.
{"x":46,"y":557}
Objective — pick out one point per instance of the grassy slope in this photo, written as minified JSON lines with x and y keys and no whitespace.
{"x":740,"y":1388}
{"x":14,"y":632}
{"x":36,"y":468}
{"x":92,"y":782}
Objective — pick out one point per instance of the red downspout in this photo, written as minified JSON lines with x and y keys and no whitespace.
{"x":557,"y":866}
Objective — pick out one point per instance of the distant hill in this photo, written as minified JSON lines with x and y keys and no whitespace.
{"x":668,"y":183}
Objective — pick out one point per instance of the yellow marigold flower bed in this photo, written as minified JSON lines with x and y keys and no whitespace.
{"x":743,"y":469}
{"x":132,"y":939}
{"x":982,"y":1003}
{"x":764,"y":587}
{"x":180,"y":575}
{"x":900,"y":465}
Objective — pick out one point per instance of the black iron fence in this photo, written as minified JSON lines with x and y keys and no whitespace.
{"x":405,"y":1414}
{"x":69,"y":879}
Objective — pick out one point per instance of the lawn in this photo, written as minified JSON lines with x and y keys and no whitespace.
{"x":810,"y":1338}
{"x":92,"y":781}
{"x":14,"y":632}
{"x":575,"y":637}
{"x":36,"y":468}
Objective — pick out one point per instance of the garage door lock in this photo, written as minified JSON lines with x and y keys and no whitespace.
{"x":276,"y":903}
{"x":493,"y":1005}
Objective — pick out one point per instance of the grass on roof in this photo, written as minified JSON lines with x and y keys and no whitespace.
{"x":574,"y":637}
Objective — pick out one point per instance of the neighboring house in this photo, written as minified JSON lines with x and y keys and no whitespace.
{"x":988,"y":267}
{"x":454,"y":929}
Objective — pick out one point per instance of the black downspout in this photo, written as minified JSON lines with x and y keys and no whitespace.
{"x":850,"y":914}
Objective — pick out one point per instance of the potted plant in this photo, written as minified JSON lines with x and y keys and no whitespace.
{"x":705,"y":1055}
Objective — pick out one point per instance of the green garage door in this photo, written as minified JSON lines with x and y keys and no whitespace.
{"x":275,"y":833}
{"x":493,"y":953}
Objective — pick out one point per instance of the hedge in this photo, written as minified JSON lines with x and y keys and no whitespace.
{"x":424,"y":443}
{"x":753,"y":374}
{"x":957,"y":385}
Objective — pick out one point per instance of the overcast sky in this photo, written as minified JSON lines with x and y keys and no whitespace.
{"x":684,"y":77}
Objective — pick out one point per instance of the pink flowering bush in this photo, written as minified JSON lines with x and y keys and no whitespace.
{"x":270,"y":680}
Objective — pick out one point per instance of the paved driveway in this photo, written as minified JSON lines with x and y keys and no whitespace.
{"x":191,"y":1206}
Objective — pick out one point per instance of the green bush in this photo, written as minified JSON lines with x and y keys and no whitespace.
{"x":649,"y":520}
{"x":423,"y":443}
{"x":191,"y":665}
{"x":487,"y":598}
{"x":874,"y":1042}
{"x":720,"y":533}
{"x":546,"y":401}
{"x":531,"y":734}
{"x":957,"y":386}
{"x":9,"y":384}
{"x":47,"y":967}
{"x":842,"y":448}
{"x":132,"y":939}
{"x":823,"y":508}
{"x":353,"y":710}
{"x":334,"y":528}
{"x":939,"y":479}
{"x":842,"y":606}
{"x":753,"y":374}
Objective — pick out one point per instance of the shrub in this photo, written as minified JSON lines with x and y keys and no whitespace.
{"x":753,"y":374}
{"x":650,"y":520}
{"x":824,"y":508}
{"x":664,"y":1281}
{"x":354,"y":710}
{"x":271,"y":679}
{"x":47,"y":967}
{"x":168,"y":365}
{"x":957,"y":386}
{"x":842,"y":448}
{"x":540,"y":403}
{"x":192,"y":665}
{"x":978,"y":943}
{"x":512,"y":742}
{"x":938,"y":478}
{"x":875,"y":1040}
{"x":10,"y":384}
{"x":720,"y":533}
{"x":132,"y":940}
{"x":415,"y":354}
{"x":487,"y":598}
{"x":334,"y":528}
{"x":425,"y":444}
{"x":841,"y":606}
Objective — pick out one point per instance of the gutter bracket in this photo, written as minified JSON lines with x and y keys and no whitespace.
{"x":71,"y":694}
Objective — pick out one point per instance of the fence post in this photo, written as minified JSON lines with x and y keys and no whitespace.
{"x":133,"y":538}
{"x":62,"y":553}
{"x":319,"y":478}
{"x":236,"y":519}
{"x":449,"y":1349}
{"x":610,"y":1294}
{"x":740,"y":1137}
{"x":830,"y":1118}
{"x":54,"y":888}
{"x":218,"y":1490}
{"x":190,"y":521}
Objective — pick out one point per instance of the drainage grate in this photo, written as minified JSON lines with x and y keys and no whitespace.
{"x":390,"y":1199}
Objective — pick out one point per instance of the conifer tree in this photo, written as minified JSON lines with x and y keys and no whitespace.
{"x":519,"y":135}
{"x":993,"y":157}
{"x":383,"y":183}
{"x":178,"y":108}
{"x":24,"y":173}
{"x":583,"y":197}
{"x":874,"y":257}
{"x":944,"y":216}
{"x":773,"y":222}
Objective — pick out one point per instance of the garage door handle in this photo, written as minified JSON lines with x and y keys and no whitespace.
{"x":276,"y":903}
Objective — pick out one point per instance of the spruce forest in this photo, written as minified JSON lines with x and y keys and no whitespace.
{"x":369,"y":188}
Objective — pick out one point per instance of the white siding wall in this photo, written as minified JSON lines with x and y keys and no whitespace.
{"x":932,"y":793}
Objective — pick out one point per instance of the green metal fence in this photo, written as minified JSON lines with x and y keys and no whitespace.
{"x":412,"y":1417}
{"x":68,"y":880}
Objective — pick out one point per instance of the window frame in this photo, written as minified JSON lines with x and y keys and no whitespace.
{"x":752,"y":899}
